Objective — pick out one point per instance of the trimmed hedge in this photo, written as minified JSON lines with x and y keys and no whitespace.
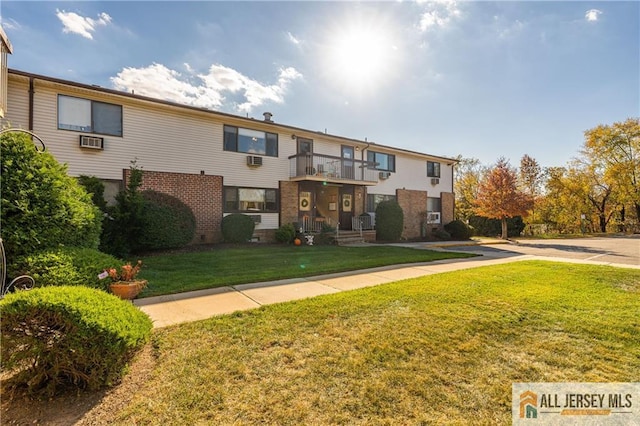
{"x":66,"y":266}
{"x":492,"y":227}
{"x":458,"y":230}
{"x":286,"y":233}
{"x":237,"y":228}
{"x":42,"y":207}
{"x":389,"y":221}
{"x":77,"y":336}
{"x":167,"y":222}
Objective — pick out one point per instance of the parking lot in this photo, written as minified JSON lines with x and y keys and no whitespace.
{"x":619,"y":250}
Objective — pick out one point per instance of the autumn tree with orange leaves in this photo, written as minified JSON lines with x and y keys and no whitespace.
{"x":499,"y":197}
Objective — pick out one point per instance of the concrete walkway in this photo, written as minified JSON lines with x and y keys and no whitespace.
{"x":196,"y":305}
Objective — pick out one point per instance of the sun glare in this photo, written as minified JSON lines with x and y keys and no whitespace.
{"x":360,"y":56}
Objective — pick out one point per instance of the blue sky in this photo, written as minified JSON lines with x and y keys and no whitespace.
{"x":481,"y":79}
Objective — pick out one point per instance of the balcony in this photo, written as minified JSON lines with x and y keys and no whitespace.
{"x":328,"y":168}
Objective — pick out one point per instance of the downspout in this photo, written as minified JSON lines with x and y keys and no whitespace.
{"x":364,"y":199}
{"x":453,"y":192}
{"x":31,"y":92}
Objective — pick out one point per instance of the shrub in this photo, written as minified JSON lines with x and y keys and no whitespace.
{"x":389,"y":221}
{"x":166,"y":222}
{"x":42,"y":207}
{"x":66,"y":266}
{"x":237,"y":228}
{"x":441,"y":234}
{"x":69,"y":336}
{"x":458,"y":230}
{"x":123,"y":226}
{"x":492,"y":227}
{"x":95,"y":188}
{"x":286,"y":233}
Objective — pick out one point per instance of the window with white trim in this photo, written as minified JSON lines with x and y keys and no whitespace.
{"x":84,"y":115}
{"x":249,"y":141}
{"x":250,"y":200}
{"x":433,"y":169}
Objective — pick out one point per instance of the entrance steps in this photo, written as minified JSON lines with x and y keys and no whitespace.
{"x":346,"y":238}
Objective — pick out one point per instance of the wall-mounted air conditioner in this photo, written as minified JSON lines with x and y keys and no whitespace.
{"x":92,"y":142}
{"x":254,"y":161}
{"x":384,"y":175}
{"x":433,"y":217}
{"x":435,"y":181}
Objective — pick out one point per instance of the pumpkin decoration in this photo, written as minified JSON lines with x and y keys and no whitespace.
{"x":297,"y":241}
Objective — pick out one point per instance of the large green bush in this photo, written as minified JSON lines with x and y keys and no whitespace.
{"x":458,"y":230}
{"x":66,"y":266}
{"x":286,"y":233}
{"x":167,"y":222}
{"x":41,"y":207}
{"x":237,"y":228}
{"x":389,"y":221}
{"x":95,"y":188}
{"x":493,"y":227}
{"x":76,"y":336}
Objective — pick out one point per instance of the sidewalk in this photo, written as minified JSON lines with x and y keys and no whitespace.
{"x":196,"y":305}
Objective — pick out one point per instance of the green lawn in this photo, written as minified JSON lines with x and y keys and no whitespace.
{"x":443,"y":348}
{"x":175,"y":273}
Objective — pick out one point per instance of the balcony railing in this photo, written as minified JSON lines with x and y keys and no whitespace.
{"x":329,"y":168}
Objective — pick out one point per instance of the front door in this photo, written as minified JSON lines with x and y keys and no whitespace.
{"x":347,"y":162}
{"x":305,"y":157}
{"x":346,"y":207}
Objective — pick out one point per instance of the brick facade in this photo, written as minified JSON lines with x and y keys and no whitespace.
{"x":413,"y":203}
{"x":447,"y":200}
{"x":288,"y":202}
{"x":202,"y":193}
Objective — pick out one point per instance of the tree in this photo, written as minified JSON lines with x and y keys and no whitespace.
{"x":469,"y":172}
{"x":616,"y":148}
{"x":530,"y":179}
{"x":499,"y":196}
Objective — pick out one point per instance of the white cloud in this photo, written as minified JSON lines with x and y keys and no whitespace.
{"x":158,"y":81}
{"x":293,"y":39}
{"x":592,"y":15}
{"x":438,"y":14}
{"x":84,"y":26}
{"x":10,"y":24}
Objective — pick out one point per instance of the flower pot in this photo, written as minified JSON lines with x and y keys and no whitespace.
{"x":127,"y":290}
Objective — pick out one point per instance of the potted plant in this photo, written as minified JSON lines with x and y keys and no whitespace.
{"x":124,"y":283}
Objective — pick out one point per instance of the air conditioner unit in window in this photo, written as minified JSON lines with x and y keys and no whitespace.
{"x":92,"y":142}
{"x":384,"y":175}
{"x":433,"y":217}
{"x":435,"y":181}
{"x":254,"y":161}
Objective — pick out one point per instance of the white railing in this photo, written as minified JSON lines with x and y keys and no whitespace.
{"x":363,"y":223}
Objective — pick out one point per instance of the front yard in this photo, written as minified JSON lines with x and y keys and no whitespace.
{"x":443,"y":348}
{"x":175,"y":273}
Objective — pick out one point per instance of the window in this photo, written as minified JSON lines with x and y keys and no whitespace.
{"x":250,"y":200}
{"x":84,"y":115}
{"x":248,"y":141}
{"x":374,"y":199}
{"x":433,"y":169}
{"x":386,"y":162}
{"x":433,"y":204}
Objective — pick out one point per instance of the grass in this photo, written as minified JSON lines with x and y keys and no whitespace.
{"x":443,"y":348}
{"x":175,"y":273}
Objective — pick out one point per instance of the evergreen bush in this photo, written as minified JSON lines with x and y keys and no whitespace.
{"x":166,"y":222}
{"x":76,"y":336}
{"x":389,"y":221}
{"x":95,"y":188}
{"x":66,"y":266}
{"x":493,"y":227}
{"x":286,"y":234}
{"x":237,"y":228}
{"x":42,"y":207}
{"x":458,"y":230}
{"x":441,"y":234}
